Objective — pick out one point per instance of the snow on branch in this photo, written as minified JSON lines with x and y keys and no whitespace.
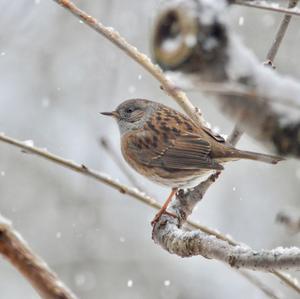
{"x":32,"y":267}
{"x":170,"y":236}
{"x":193,"y":37}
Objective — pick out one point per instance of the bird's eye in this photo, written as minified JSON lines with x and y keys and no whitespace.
{"x":129,"y":110}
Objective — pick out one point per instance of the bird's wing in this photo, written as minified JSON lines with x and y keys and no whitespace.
{"x":171,"y":149}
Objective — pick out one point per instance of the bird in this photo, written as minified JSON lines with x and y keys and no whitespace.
{"x":169,"y":148}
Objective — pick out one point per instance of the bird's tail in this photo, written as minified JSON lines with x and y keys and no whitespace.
{"x":239,"y":154}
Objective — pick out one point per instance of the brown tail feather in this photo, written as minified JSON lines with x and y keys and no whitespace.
{"x":257,"y":157}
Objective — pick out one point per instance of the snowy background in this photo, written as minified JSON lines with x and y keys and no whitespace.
{"x":56,"y":74}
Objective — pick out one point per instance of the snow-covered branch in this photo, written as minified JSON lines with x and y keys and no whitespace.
{"x":180,"y":97}
{"x":206,"y":50}
{"x":170,"y":236}
{"x":32,"y":267}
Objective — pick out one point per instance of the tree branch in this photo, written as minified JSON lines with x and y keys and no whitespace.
{"x":169,"y":235}
{"x":280,"y":34}
{"x":178,"y":95}
{"x":32,"y":267}
{"x":264,"y":6}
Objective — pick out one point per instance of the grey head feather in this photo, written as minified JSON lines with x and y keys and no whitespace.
{"x":134,"y":113}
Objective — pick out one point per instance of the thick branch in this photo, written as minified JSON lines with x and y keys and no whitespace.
{"x":168,"y":234}
{"x":32,"y":267}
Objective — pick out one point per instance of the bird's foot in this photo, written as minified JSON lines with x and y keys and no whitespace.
{"x":159,"y":214}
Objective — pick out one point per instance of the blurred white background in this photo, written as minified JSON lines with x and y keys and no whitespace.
{"x":56,"y":74}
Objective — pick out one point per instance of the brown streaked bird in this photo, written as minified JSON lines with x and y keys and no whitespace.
{"x":169,"y":148}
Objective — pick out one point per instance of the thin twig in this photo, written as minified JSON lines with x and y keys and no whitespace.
{"x":33,"y":268}
{"x":142,"y":59}
{"x":264,"y":6}
{"x":104,"y":178}
{"x":280,"y":34}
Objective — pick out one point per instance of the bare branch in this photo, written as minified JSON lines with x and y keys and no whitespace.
{"x":32,"y":267}
{"x":178,"y":95}
{"x":168,"y":234}
{"x":280,"y":34}
{"x":264,"y":6}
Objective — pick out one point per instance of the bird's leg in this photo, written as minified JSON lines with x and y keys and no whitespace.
{"x":164,"y":207}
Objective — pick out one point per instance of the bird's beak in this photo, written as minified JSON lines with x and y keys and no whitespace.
{"x":113,"y":113}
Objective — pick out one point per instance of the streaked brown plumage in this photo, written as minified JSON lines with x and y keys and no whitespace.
{"x":167,"y":147}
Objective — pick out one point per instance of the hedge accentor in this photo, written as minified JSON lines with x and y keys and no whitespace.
{"x":169,"y":148}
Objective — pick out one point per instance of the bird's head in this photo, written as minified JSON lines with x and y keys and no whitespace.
{"x":132,"y":114}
